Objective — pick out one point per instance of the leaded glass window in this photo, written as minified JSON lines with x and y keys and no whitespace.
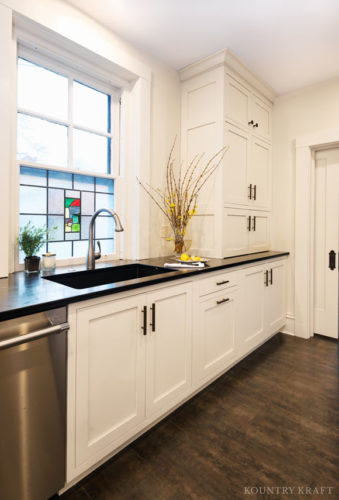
{"x":67,"y":201}
{"x":65,"y":130}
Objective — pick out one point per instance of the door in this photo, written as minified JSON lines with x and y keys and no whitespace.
{"x":217,"y":328}
{"x":236,"y":231}
{"x":252,"y":323}
{"x":237,"y":102}
{"x":326,"y":241}
{"x":275,"y":310}
{"x":235,"y":169}
{"x":110,"y":374}
{"x":168,"y":363}
{"x":259,"y":236}
{"x":261,"y":114}
{"x":260,"y":173}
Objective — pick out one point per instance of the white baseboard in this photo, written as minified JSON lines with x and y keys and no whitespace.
{"x":289,"y":326}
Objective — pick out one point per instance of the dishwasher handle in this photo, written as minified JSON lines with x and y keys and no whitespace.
{"x":44,"y":332}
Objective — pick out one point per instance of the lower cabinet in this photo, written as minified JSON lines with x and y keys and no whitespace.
{"x":263,"y":303}
{"x":245,"y":231}
{"x":133,"y":360}
{"x":216,"y":342}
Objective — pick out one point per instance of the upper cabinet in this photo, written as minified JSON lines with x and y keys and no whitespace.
{"x":224,"y":104}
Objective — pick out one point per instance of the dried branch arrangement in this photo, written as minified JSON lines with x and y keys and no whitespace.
{"x":178,"y":201}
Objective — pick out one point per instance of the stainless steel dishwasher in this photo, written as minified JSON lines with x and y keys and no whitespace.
{"x":33,"y":405}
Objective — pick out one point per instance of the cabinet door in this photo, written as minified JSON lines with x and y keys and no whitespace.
{"x":237,"y":102}
{"x":168,"y":360}
{"x":259,"y":236}
{"x":217,"y":326}
{"x":261,"y":114}
{"x":235,"y":232}
{"x":275,"y":308}
{"x":252,"y":322}
{"x":260,"y":173}
{"x":235,"y":168}
{"x":110,"y":375}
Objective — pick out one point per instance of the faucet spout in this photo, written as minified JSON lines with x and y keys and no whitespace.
{"x":91,"y":256}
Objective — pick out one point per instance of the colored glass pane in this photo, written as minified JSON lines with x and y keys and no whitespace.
{"x":72,"y":215}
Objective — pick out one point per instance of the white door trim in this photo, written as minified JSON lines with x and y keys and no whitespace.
{"x":304,"y":226}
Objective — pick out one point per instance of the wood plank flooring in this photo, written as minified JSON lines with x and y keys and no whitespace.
{"x":271,"y":421}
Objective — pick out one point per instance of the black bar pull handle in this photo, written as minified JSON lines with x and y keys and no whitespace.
{"x":152,"y":324}
{"x":250,"y":188}
{"x":266,"y":278}
{"x":255,"y":192}
{"x":222,"y":282}
{"x":331,"y":264}
{"x":144,"y":320}
{"x":254,"y":223}
{"x":271,"y":276}
{"x":249,"y":223}
{"x":222,"y":301}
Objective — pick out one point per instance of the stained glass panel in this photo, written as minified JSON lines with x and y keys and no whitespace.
{"x":72,"y":214}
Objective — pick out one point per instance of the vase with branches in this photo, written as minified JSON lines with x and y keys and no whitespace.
{"x":178,"y":201}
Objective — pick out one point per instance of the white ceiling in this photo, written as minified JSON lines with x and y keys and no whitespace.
{"x":288,"y":43}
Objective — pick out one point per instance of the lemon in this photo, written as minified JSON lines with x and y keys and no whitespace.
{"x":184,"y":256}
{"x":196,"y":258}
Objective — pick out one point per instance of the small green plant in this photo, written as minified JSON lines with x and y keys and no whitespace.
{"x":32,"y":238}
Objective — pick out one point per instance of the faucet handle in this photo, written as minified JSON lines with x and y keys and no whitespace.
{"x":97,"y":255}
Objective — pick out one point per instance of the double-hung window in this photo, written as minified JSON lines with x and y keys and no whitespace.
{"x":67,"y":154}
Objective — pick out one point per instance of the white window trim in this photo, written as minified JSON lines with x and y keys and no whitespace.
{"x":115,"y":93}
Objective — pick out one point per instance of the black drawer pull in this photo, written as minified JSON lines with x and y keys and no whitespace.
{"x":222,"y":301}
{"x":152,"y":324}
{"x":222,"y":282}
{"x":144,"y":321}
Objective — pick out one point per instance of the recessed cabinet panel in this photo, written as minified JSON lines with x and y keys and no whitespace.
{"x":237,"y":101}
{"x":260,"y":173}
{"x":259,"y":236}
{"x":252,"y":327}
{"x":262,"y":115}
{"x":201,"y":105}
{"x":235,"y":234}
{"x":109,"y":344}
{"x":168,"y":361}
{"x":235,"y":168}
{"x":275,"y":296}
{"x":217,"y":332}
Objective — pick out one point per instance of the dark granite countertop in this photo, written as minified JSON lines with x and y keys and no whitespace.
{"x":22,"y":294}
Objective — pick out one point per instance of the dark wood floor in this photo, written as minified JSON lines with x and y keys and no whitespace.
{"x":273,"y":420}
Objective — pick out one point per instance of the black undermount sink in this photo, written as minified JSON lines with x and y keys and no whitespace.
{"x":106,"y":275}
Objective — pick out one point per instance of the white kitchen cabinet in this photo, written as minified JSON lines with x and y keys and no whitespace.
{"x":168,"y":358}
{"x":246,"y":170}
{"x":245,"y":231}
{"x":216,"y":343}
{"x":126,"y":372}
{"x":223,"y":104}
{"x":263,"y":299}
{"x":110,"y":374}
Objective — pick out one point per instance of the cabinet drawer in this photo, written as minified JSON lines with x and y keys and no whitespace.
{"x":217,"y":283}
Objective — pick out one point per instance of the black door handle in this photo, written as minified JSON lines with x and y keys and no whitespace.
{"x":144,"y":317}
{"x":331,"y":263}
{"x":152,"y":324}
{"x":266,"y":278}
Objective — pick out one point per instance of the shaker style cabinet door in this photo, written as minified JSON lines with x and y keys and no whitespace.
{"x":110,"y":374}
{"x":236,"y":166}
{"x":168,"y":362}
{"x":237,"y":102}
{"x":275,"y":308}
{"x":260,"y":174}
{"x":261,"y":114}
{"x":217,"y":330}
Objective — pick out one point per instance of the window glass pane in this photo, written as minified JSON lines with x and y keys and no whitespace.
{"x":56,"y":201}
{"x":42,"y":90}
{"x":107,"y":247}
{"x":72,"y":236}
{"x":91,"y":108}
{"x":104,"y":227}
{"x":41,"y":141}
{"x":84,"y":227}
{"x":80,"y":248}
{"x":33,"y":176}
{"x":103,"y":201}
{"x":90,"y":152}
{"x":72,"y":214}
{"x":87,"y":203}
{"x":59,"y":179}
{"x":33,"y":200}
{"x":84,"y":182}
{"x":58,"y":222}
{"x":62,"y":250}
{"x":104,"y":185}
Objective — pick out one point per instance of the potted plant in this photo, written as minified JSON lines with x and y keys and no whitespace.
{"x":30,"y":240}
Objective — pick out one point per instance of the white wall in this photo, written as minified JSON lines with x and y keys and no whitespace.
{"x":165,"y":86}
{"x":304,"y":112}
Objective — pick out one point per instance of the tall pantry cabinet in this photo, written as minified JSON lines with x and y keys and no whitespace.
{"x":224,"y":104}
